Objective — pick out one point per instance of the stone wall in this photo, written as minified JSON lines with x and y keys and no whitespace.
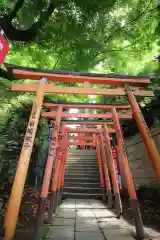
{"x":140,"y":163}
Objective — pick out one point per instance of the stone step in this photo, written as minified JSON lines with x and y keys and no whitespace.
{"x":82,"y":167}
{"x":79,"y":171}
{"x":82,"y":164}
{"x":85,"y":165}
{"x":82,"y":196}
{"x":69,"y":162}
{"x":82,"y":161}
{"x":82,"y":155}
{"x":81,"y":190}
{"x":82,"y":151}
{"x":86,"y":179}
{"x":83,"y":174}
{"x":82,"y":184}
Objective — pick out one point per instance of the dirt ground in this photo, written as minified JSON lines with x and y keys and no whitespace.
{"x":27,"y":214}
{"x":149,"y":202}
{"x":149,"y":205}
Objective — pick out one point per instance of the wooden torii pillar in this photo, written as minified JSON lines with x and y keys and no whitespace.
{"x":34,"y":74}
{"x":128,"y":177}
{"x":23,"y":164}
{"x":47,"y":175}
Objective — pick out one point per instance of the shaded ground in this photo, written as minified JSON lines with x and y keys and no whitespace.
{"x":86,"y":219}
{"x":149,"y":204}
{"x":27,"y":214}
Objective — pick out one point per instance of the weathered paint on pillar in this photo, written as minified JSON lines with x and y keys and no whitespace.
{"x":100,"y":170}
{"x":47,"y":176}
{"x":145,"y":133}
{"x":60,"y":180}
{"x":106,"y":173}
{"x":65,"y":158}
{"x":113,"y":173}
{"x":66,"y":154}
{"x":51,"y":155}
{"x":128,"y":178}
{"x":62,"y":151}
{"x":55,"y":179}
{"x":23,"y":164}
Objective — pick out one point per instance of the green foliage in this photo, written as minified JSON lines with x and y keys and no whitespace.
{"x":95,"y":36}
{"x":13,"y":117}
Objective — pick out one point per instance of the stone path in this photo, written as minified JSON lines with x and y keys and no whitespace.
{"x":78,"y":219}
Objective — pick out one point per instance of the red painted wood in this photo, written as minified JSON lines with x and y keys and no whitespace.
{"x":25,"y":74}
{"x":85,"y":138}
{"x":79,"y":106}
{"x":85,"y":115}
{"x":89,"y":130}
{"x":99,"y":164}
{"x":105,"y":167}
{"x":84,"y":122}
{"x":82,"y":144}
{"x":52,"y":88}
{"x":65,"y":156}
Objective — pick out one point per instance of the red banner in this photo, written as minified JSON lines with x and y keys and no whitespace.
{"x":4,"y":48}
{"x":117,"y":167}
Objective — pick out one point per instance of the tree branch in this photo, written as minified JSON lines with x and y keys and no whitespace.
{"x":133,"y":20}
{"x":118,"y":50}
{"x":119,"y":28}
{"x":60,"y":56}
{"x":121,"y":49}
{"x":29,"y":34}
{"x":17,"y":7}
{"x":44,"y":16}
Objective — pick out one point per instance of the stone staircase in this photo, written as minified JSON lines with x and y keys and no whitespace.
{"x":82,"y":175}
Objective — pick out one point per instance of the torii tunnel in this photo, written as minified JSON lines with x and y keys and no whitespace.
{"x":96,"y":134}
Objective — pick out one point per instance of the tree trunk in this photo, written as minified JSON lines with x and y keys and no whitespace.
{"x":27,"y":35}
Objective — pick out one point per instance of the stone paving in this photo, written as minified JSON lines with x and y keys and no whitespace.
{"x":78,"y":219}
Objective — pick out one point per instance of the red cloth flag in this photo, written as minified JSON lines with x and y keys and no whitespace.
{"x":4,"y":47}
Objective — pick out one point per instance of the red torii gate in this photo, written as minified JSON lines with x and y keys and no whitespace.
{"x":101,"y":148}
{"x":129,"y":86}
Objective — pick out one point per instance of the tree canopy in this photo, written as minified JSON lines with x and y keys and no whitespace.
{"x":23,"y":19}
{"x":83,"y":35}
{"x":115,"y":36}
